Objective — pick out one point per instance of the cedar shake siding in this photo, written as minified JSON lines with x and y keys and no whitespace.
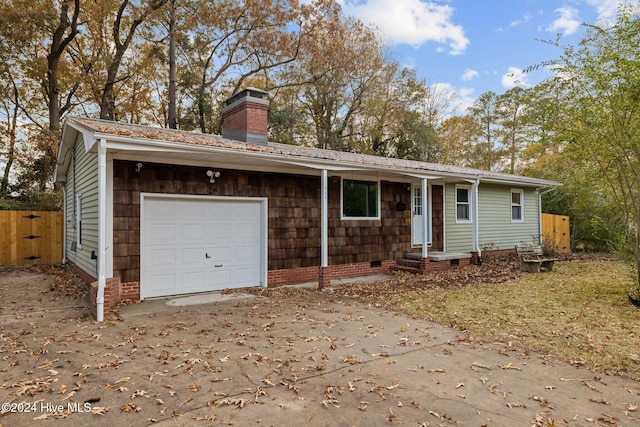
{"x":293,"y":215}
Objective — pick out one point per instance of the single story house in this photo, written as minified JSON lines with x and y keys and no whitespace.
{"x":153,"y":212}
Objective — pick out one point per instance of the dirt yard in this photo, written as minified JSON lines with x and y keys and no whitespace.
{"x":311,"y":358}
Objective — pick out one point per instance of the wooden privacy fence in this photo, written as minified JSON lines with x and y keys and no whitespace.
{"x":30,"y":237}
{"x":555,"y":228}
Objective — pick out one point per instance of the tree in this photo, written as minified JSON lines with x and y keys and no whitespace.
{"x":602,"y":78}
{"x":457,"y":136}
{"x":111,"y":26}
{"x":344,"y":59}
{"x":510,"y":106}
{"x":34,"y":38}
{"x":229,"y":42}
{"x":488,"y":151}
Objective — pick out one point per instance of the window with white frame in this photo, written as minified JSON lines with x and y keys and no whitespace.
{"x":359,"y":199}
{"x":517,"y":204}
{"x":463,"y":203}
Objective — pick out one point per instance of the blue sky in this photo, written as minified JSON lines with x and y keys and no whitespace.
{"x":473,"y":46}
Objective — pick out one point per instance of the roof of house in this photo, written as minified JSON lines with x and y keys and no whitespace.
{"x":123,"y":137}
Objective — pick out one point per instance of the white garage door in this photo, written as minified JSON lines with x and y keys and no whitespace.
{"x":198,"y":244}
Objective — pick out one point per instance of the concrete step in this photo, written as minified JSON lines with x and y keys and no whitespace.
{"x":405,"y":268}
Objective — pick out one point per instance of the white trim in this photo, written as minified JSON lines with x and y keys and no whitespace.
{"x":468,"y":202}
{"x":512,"y":205}
{"x":264,"y":225}
{"x":64,"y":223}
{"x":360,"y":218}
{"x":109,"y":217}
{"x":324,"y":222}
{"x":444,"y":217}
{"x":426,"y":218}
{"x":475,"y":236}
{"x":427,"y":209}
{"x":102,"y":228}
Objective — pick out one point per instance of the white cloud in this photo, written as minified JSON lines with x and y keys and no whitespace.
{"x":606,"y":8}
{"x":465,"y":99}
{"x":514,"y":77}
{"x":469,"y":75}
{"x":411,"y":22}
{"x":567,"y":23}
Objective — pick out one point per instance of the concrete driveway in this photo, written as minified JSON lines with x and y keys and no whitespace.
{"x":302,"y":358}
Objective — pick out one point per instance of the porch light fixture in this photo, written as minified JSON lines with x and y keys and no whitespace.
{"x":139,"y":167}
{"x":213,"y":175}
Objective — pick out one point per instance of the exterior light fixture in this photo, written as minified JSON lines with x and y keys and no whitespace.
{"x":213,"y":175}
{"x":139,"y":167}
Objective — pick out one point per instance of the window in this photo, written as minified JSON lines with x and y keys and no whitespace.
{"x":517,"y":199}
{"x":79,"y":221}
{"x":359,"y":199}
{"x":463,"y":206}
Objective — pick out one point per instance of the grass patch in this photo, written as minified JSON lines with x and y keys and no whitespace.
{"x":579,"y":313}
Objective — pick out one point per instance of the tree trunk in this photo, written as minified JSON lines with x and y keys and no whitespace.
{"x":13,"y":128}
{"x":173,"y":121}
{"x":59,"y":43}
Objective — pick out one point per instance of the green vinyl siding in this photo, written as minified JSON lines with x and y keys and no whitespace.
{"x":495,"y":225}
{"x":82,"y":179}
{"x":458,"y":234}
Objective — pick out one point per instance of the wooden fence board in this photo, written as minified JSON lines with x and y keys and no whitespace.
{"x":556,"y":229}
{"x":31,"y":237}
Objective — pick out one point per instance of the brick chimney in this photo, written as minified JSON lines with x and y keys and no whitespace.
{"x":244,"y":118}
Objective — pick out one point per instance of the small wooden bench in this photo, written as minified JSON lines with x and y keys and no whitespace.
{"x":532,"y":259}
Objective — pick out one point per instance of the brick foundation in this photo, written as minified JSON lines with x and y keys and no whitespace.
{"x":326,"y":274}
{"x":86,"y":277}
{"x":130,"y":291}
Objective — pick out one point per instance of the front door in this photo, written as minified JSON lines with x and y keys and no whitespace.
{"x":419,"y":210}
{"x":435,"y":209}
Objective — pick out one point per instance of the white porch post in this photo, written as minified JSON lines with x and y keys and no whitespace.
{"x":324,"y":225}
{"x":425,"y":218}
{"x":102,"y":227}
{"x":474,"y":222}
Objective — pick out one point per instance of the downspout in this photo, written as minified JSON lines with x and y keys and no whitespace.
{"x":474,"y":223}
{"x":324,"y":222}
{"x":425,"y":218}
{"x":64,"y":223}
{"x":102,"y":227}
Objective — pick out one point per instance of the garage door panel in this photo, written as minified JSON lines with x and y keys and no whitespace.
{"x":164,"y":284}
{"x":219,"y":231}
{"x":163,"y":257}
{"x":246,"y":231}
{"x":192,"y":232}
{"x":219,"y":279}
{"x":246,"y":254}
{"x":193,"y":281}
{"x":219,"y":255}
{"x":192,"y":255}
{"x":201,"y":245}
{"x":161,"y":233}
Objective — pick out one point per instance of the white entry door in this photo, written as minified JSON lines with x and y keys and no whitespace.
{"x":417,"y":224}
{"x":200,"y":244}
{"x":420,"y":208}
